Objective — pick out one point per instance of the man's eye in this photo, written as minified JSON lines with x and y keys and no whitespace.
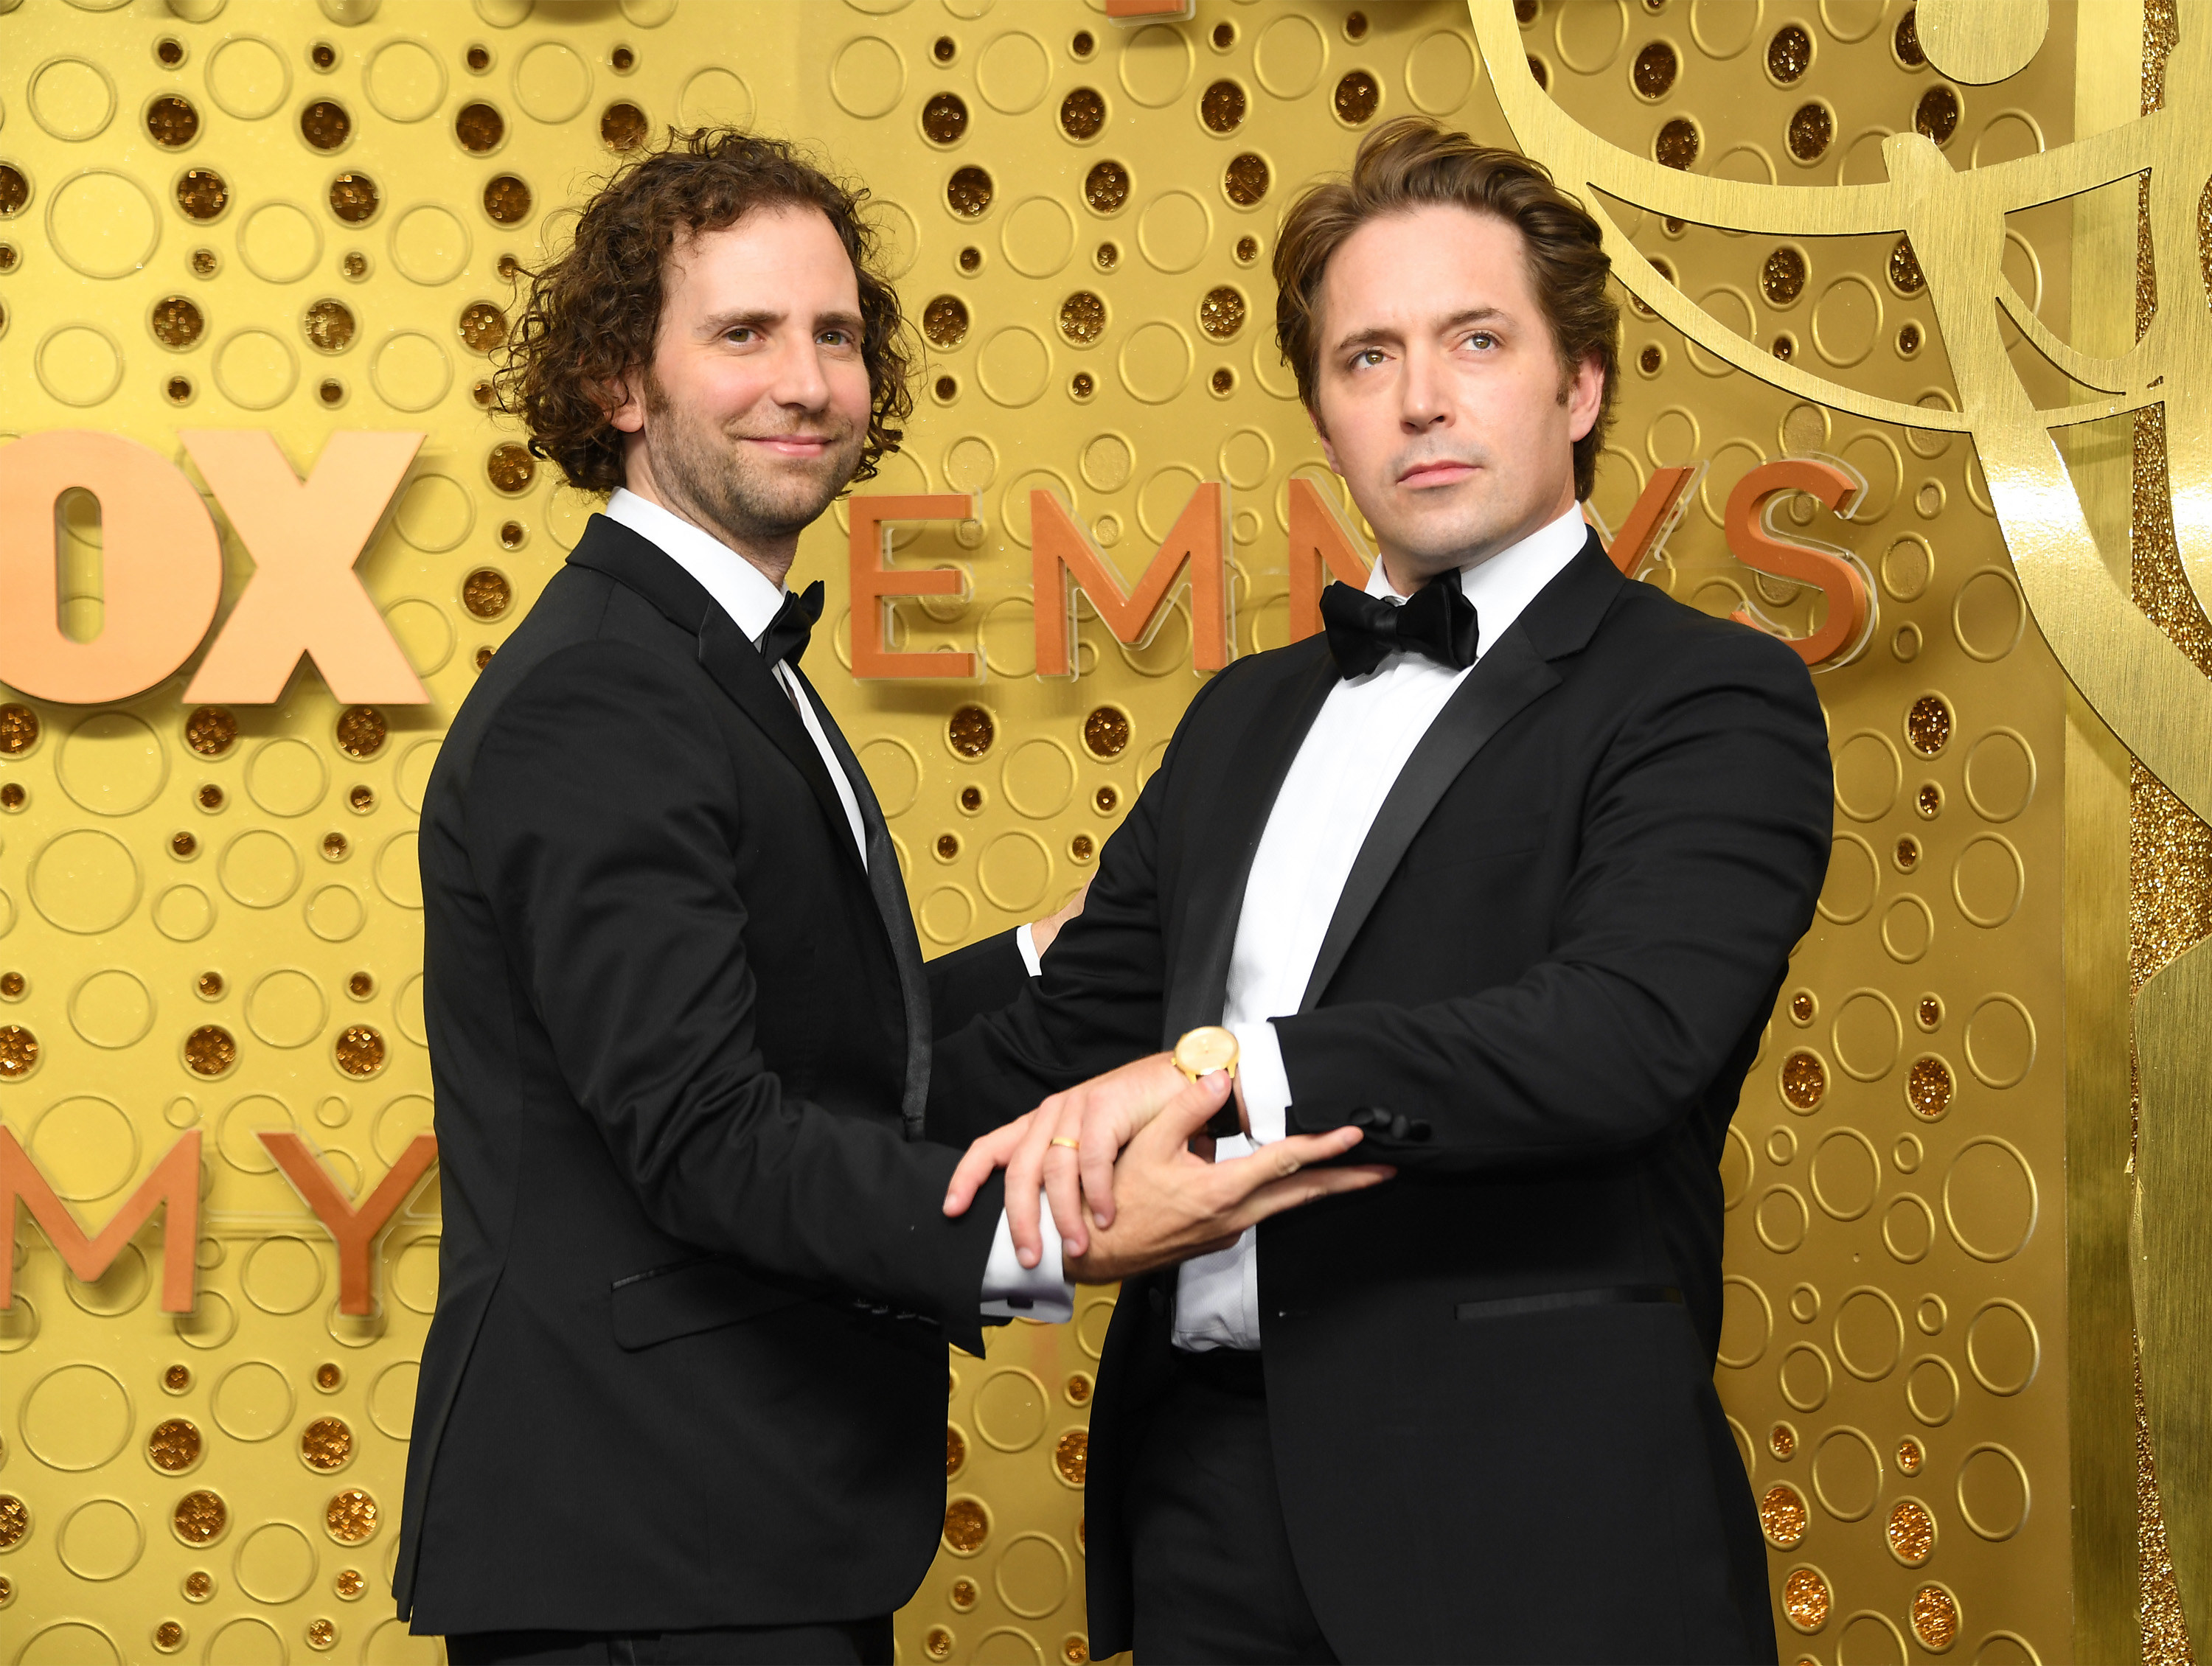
{"x":1370,"y":356}
{"x":741,"y":335}
{"x":1482,"y":338}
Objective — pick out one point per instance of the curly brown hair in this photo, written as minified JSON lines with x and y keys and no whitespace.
{"x":1410,"y":161}
{"x":590,"y":317}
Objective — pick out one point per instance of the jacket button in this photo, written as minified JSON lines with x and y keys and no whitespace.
{"x":1398,"y":1126}
{"x":1421,"y":1130}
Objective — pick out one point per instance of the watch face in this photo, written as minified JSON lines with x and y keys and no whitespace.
{"x":1202,"y":1050}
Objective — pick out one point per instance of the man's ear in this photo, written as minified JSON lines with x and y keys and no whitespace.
{"x":1585,"y":394}
{"x":625,"y":409}
{"x":1320,"y":432}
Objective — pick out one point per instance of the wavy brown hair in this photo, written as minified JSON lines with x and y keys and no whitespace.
{"x":1409,"y":162}
{"x":589,"y":318}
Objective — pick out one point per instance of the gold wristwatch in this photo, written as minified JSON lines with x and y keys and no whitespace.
{"x":1202,"y":1051}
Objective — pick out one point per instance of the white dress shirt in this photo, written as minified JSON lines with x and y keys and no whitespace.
{"x":745,"y":593}
{"x":1345,"y":768}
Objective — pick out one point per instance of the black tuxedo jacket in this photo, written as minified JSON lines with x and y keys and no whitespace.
{"x":1553,"y":959}
{"x":687,"y":1367}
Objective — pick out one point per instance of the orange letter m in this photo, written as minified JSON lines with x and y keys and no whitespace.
{"x":175,"y":1181}
{"x":1061,"y":552}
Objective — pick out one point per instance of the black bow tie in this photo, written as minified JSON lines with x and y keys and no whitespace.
{"x":787,"y":635}
{"x":1437,"y":621}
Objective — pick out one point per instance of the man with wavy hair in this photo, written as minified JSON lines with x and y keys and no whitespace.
{"x":682,"y":1397}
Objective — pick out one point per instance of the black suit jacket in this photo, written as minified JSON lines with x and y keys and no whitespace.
{"x":687,"y":1367}
{"x":1554,"y":956}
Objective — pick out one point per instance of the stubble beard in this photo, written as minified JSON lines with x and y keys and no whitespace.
{"x":713,"y":476}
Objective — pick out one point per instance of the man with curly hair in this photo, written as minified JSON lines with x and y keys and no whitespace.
{"x":695,"y":1279}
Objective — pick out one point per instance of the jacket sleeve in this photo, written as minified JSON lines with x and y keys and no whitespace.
{"x":1704,"y":840}
{"x":969,"y":982}
{"x":601,"y":828}
{"x":1096,"y":1002}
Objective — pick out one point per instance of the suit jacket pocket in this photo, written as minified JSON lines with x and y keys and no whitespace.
{"x":687,"y":1297}
{"x":1446,"y":843}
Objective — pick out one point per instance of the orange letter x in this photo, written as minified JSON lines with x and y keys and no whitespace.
{"x":303,"y":536}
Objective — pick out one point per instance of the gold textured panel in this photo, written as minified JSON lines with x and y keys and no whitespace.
{"x":308,"y":220}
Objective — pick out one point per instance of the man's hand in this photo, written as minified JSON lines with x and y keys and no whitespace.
{"x":1068,"y":1145}
{"x":1176,"y":1204}
{"x":1042,"y":932}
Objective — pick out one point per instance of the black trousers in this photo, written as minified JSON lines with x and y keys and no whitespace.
{"x":851,"y":1643}
{"x":1212,"y":1571}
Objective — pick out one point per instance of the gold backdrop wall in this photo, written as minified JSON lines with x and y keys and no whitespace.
{"x":302,"y":218}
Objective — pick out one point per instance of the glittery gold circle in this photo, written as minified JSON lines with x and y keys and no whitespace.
{"x":1082,"y":114}
{"x":1907,"y":853}
{"x":507,"y":199}
{"x":1245,"y":180}
{"x":963,"y":1595}
{"x":1678,"y":144}
{"x":174,"y":1445}
{"x":483,"y":327}
{"x":1909,"y":1455}
{"x":350,"y":1517}
{"x":1910,"y":1533}
{"x":1082,"y":847}
{"x":1936,"y":116}
{"x":199,"y":1586}
{"x":360,"y":1050}
{"x":1935,"y":1618}
{"x":1928,"y":725}
{"x":326,"y":1444}
{"x":1079,"y":1389}
{"x":970,"y":731}
{"x":968,"y":191}
{"x":1907,"y":40}
{"x":1222,"y":106}
{"x":1802,"y":1006}
{"x":19,"y":730}
{"x":19,"y":1051}
{"x":479,"y":127}
{"x":1655,"y":69}
{"x":210,"y":730}
{"x":485,"y":593}
{"x":321,"y":1633}
{"x":202,"y":193}
{"x":170,"y":121}
{"x":1071,"y":1456}
{"x":1929,"y":801}
{"x":349,"y":1584}
{"x":1106,"y":731}
{"x":944,"y":321}
{"x":948,"y":846}
{"x":936,"y":1643}
{"x":176,"y":1379}
{"x":967,"y":1524}
{"x":362,"y":730}
{"x":1083,"y":316}
{"x":944,"y":117}
{"x":199,"y":1518}
{"x":1927,"y":1086}
{"x":1782,"y":1441}
{"x":354,"y":197}
{"x":1805,"y":1600}
{"x":328,"y":1375}
{"x":1804,"y":1080}
{"x":1106,"y":187}
{"x":211,"y":796}
{"x":330,"y":326}
{"x":1929,"y":1012}
{"x":1782,"y":1517}
{"x":623,"y":126}
{"x":168,"y":1636}
{"x":1359,"y":95}
{"x":15,"y":1521}
{"x":1789,"y":54}
{"x":361,"y":986}
{"x":325,"y":124}
{"x":1905,"y":267}
{"x":955,"y":1451}
{"x":510,"y":468}
{"x":1106,"y":798}
{"x":1811,"y":129}
{"x":210,"y":1050}
{"x":210,"y":985}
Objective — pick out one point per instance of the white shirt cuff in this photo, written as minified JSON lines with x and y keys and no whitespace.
{"x":1025,"y":941}
{"x":1267,"y":1087}
{"x":1012,"y":1291}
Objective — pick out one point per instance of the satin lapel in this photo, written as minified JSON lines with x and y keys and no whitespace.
{"x":1509,"y":677}
{"x":1228,"y":836}
{"x":732,"y":661}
